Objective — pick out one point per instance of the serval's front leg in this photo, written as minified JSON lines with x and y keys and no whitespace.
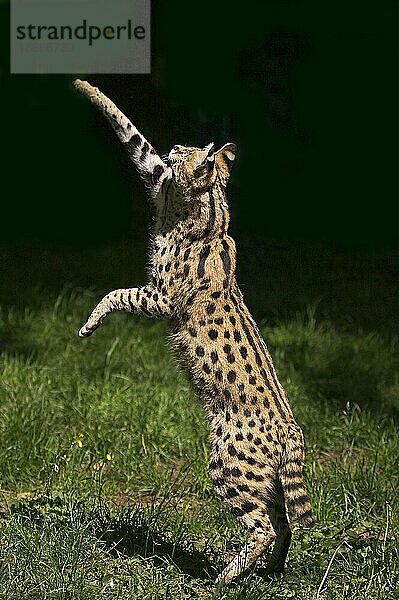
{"x":150,"y":166}
{"x":146,"y":300}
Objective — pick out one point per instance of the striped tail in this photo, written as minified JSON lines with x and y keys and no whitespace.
{"x":150,"y":166}
{"x":291,"y":477}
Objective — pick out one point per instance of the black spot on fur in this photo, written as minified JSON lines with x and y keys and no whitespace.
{"x":156,"y":174}
{"x":218,"y":482}
{"x":243,"y":487}
{"x":231,"y":450}
{"x":231,"y":376}
{"x":243,"y":352}
{"x":231,"y":492}
{"x":216,"y":464}
{"x":235,"y":471}
{"x":236,"y":511}
{"x":248,"y":506}
{"x":205,"y":250}
{"x":145,"y":150}
{"x":237,"y":335}
{"x":135,"y":140}
{"x":210,"y":309}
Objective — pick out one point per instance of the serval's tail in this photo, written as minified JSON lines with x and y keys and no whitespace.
{"x":291,"y":477}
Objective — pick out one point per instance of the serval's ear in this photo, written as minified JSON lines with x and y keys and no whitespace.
{"x":224,"y":160}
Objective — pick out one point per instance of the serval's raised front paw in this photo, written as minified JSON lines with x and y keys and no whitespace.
{"x":89,"y":327}
{"x":85,"y":331}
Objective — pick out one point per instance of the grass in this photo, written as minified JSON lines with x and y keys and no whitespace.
{"x":104,"y":490}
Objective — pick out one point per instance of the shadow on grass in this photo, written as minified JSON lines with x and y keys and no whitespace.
{"x":128,"y":532}
{"x":132,"y":532}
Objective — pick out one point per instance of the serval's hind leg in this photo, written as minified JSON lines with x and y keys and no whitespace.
{"x":259,"y":539}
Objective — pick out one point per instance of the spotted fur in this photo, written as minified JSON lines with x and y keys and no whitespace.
{"x":256,"y":447}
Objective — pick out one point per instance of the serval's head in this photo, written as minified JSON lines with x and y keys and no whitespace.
{"x":195,"y":170}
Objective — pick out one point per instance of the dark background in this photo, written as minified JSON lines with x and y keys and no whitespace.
{"x":307,"y":90}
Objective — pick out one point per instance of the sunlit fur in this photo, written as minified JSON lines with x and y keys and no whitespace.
{"x":256,"y":447}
